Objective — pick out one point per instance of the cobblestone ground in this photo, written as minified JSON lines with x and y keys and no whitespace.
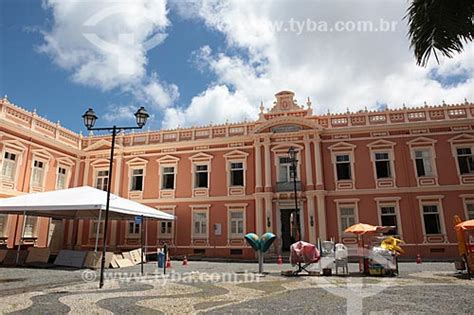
{"x":223,"y":288}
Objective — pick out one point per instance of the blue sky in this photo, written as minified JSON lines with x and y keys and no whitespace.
{"x":214,"y":61}
{"x":31,"y":80}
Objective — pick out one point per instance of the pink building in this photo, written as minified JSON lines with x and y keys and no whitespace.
{"x":410,"y":167}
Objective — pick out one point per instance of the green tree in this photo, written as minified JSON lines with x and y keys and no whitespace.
{"x":439,"y":25}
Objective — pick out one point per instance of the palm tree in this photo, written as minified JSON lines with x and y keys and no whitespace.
{"x":439,"y":25}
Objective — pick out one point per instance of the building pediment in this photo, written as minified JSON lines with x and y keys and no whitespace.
{"x":421,"y":140}
{"x":235,"y":154}
{"x":381,"y":144}
{"x":342,"y":146}
{"x":101,"y":145}
{"x":462,"y":138}
{"x":201,"y":157}
{"x":137,"y":161}
{"x":42,"y":153}
{"x":287,"y":124}
{"x":168,"y":159}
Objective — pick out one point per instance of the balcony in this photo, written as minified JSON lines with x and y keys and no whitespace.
{"x":287,"y":186}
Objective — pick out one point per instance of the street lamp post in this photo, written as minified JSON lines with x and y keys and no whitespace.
{"x":89,"y":121}
{"x":296,"y":221}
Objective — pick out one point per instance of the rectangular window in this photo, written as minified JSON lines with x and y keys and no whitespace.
{"x":423,"y":163}
{"x":9,"y":166}
{"x":38,"y":173}
{"x":470,"y":211}
{"x":133,"y":228}
{"x":465,"y":160}
{"x":236,"y":174}
{"x":166,"y":228}
{"x":236,"y":223}
{"x":284,"y":170}
{"x":201,"y":176}
{"x":347,"y":217}
{"x":382,"y":165}
{"x":431,"y":219}
{"x":137,"y":180}
{"x":102,"y":180}
{"x":96,"y":224}
{"x":200,"y":223}
{"x":388,"y":217}
{"x":3,"y":224}
{"x":30,"y":226}
{"x":343,"y":167}
{"x":62,"y":178}
{"x":167,"y":180}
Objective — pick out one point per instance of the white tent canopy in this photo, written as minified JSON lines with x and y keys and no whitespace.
{"x":78,"y":203}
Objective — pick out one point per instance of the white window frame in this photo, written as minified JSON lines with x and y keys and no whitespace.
{"x":44,"y":169}
{"x":67,"y":176}
{"x":96,"y":177}
{"x":236,"y":208}
{"x":346,"y":203}
{"x":429,"y":201}
{"x":463,"y":146}
{"x":34,"y":228}
{"x":15,"y":147}
{"x":389,"y":160}
{"x":193,"y":232}
{"x":162,"y":174}
{"x":4,"y":230}
{"x":15,"y":166}
{"x":467,"y":199}
{"x":424,"y":144}
{"x":343,"y":148}
{"x":298,"y":166}
{"x":133,"y":234}
{"x":236,"y":156}
{"x":93,"y":227}
{"x":390,"y":202}
{"x":131,"y":170}
{"x":201,"y":159}
{"x":135,"y":164}
{"x":351,"y":165}
{"x":229,"y":172}
{"x":428,"y":159}
{"x":166,"y":235}
{"x":194,"y":172}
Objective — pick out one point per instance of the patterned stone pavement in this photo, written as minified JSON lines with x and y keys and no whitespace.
{"x":217,"y":288}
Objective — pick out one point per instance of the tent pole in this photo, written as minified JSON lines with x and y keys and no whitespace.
{"x":107,"y":206}
{"x":141,"y":241}
{"x":97,"y":231}
{"x":21,"y":238}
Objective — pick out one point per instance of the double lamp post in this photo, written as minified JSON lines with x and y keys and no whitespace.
{"x":89,"y":121}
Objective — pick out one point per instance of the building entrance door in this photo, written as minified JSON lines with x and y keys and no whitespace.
{"x":285,"y":219}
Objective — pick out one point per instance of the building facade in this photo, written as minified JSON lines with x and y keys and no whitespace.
{"x":412,"y":168}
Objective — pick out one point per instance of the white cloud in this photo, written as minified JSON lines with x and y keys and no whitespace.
{"x":337,"y":69}
{"x":104,"y":44}
{"x":217,"y":105}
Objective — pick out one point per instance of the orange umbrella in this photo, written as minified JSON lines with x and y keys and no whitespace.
{"x":361,"y":228}
{"x":466,"y":225}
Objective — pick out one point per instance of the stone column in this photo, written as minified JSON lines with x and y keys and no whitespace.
{"x":258,"y":165}
{"x":258,"y":215}
{"x":79,"y":234}
{"x":321,"y":216}
{"x":118,"y":174}
{"x":268,"y":213}
{"x":312,"y":229}
{"x":268,"y":170}
{"x":86,"y":172}
{"x":319,"y":164}
{"x":309,"y":166}
{"x":77,"y":172}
